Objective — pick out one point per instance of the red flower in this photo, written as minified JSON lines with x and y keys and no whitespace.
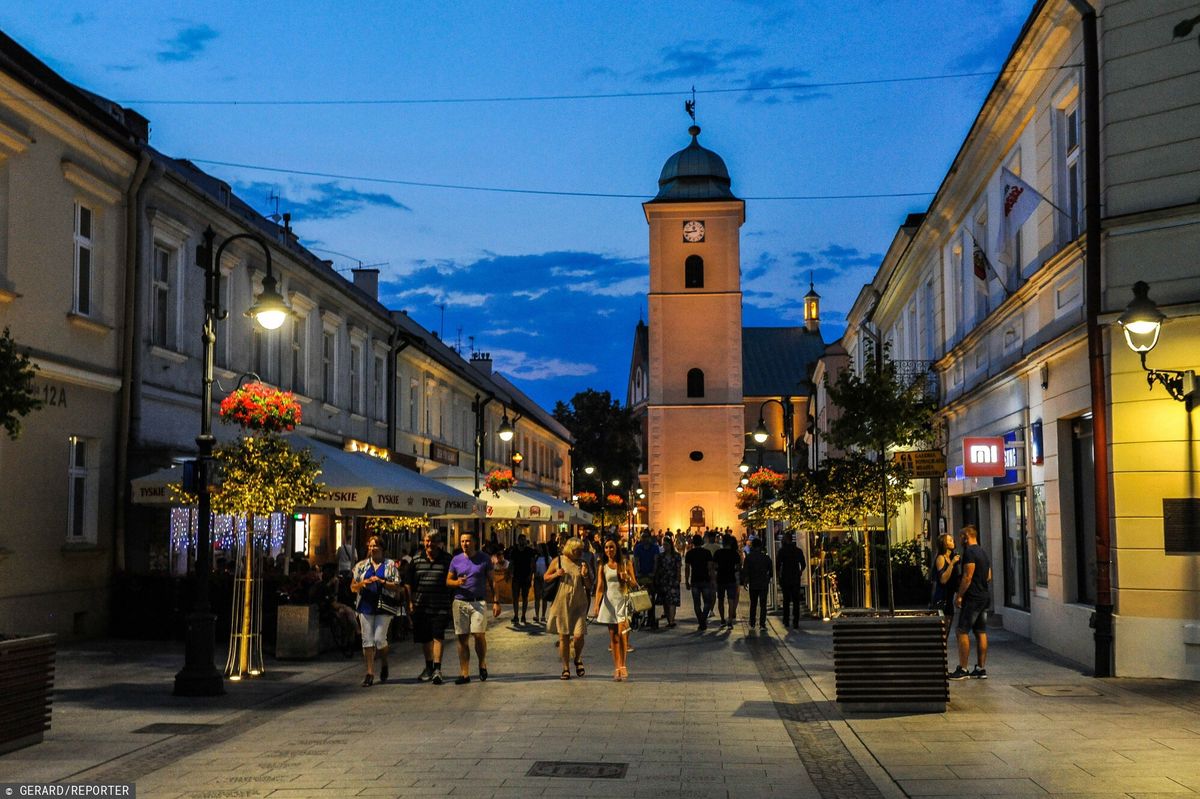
{"x":500,"y":480}
{"x":256,"y":406}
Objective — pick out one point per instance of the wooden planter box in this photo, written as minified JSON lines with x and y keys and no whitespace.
{"x":890,"y":663}
{"x":27,"y":677}
{"x":297,"y":632}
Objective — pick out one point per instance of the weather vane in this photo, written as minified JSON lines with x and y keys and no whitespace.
{"x":690,"y":106}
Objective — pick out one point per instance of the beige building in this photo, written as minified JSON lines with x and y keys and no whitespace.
{"x":1006,"y":331}
{"x":68,"y":168}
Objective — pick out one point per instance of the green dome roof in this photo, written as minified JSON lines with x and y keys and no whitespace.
{"x":694,"y":173}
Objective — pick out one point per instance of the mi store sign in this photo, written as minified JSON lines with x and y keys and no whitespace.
{"x":985,"y":456}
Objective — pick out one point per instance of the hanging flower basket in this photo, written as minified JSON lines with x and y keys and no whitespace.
{"x":500,"y":480}
{"x":588,"y":500}
{"x":766,"y":478}
{"x":256,"y":406}
{"x":747,"y":498}
{"x":615,"y":499}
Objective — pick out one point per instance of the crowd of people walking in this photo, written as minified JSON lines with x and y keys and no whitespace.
{"x":573,"y":582}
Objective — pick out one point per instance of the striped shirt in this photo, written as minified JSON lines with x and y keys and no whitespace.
{"x":427,"y":580}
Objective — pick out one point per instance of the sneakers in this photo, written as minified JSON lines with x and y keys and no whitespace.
{"x":958,"y":674}
{"x":437,"y":677}
{"x":978,"y":673}
{"x":426,"y":675}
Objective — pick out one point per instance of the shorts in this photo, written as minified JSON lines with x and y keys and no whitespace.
{"x":972,"y":616}
{"x":728,"y":590}
{"x":469,"y":617}
{"x":374,"y":629}
{"x":429,"y":625}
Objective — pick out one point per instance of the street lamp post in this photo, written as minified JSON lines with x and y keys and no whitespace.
{"x":199,"y":676}
{"x":761,"y":433}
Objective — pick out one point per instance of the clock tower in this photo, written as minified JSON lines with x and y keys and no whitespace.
{"x":695,"y":416}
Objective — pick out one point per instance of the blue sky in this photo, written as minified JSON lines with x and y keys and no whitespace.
{"x":551,"y":285}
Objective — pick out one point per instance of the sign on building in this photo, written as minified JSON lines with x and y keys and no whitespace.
{"x":921,"y":463}
{"x":983,"y":456}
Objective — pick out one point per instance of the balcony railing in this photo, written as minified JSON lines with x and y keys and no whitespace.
{"x":910,"y":372}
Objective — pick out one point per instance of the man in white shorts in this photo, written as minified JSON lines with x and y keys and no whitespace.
{"x":471,"y":577}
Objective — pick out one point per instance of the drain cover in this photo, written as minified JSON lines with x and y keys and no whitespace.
{"x":167,"y":728}
{"x":1063,"y":690}
{"x":579,"y":771}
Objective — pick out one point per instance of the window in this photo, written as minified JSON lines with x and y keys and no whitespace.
{"x":412,"y":405}
{"x":329,"y":366}
{"x":695,"y":383}
{"x":356,"y":377}
{"x":380,"y":384}
{"x":83,"y":259}
{"x":927,"y":300}
{"x":1016,"y":551}
{"x":1070,"y":170}
{"x":298,"y":364}
{"x":162,"y":316}
{"x":429,"y":406}
{"x":693,"y":272}
{"x":979,"y":285}
{"x":81,"y":491}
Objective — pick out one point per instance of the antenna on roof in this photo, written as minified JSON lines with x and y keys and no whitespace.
{"x":442,"y":323}
{"x":273,"y":197}
{"x":458,"y":341}
{"x":471,"y":339}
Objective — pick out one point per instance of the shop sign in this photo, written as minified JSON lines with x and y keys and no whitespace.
{"x":1036,"y":452}
{"x":535,"y":510}
{"x":443,"y":454}
{"x":921,"y":463}
{"x":1014,"y":464}
{"x":983,"y":456}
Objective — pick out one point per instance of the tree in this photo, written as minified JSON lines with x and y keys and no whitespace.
{"x":18,"y":395}
{"x":605,"y":437}
{"x":878,"y":409}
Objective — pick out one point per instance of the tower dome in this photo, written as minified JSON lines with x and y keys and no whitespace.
{"x":694,"y":173}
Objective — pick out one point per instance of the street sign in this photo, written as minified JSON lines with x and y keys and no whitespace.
{"x":921,"y":463}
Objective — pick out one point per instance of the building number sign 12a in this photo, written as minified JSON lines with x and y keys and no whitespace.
{"x":53,"y":396}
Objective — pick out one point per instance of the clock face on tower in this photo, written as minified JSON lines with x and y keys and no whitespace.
{"x":693,"y":231}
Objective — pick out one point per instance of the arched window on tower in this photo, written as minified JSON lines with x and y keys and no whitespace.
{"x":693,"y":272}
{"x":695,"y":383}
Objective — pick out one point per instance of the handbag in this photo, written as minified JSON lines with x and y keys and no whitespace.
{"x":639,"y":600}
{"x":550,"y":590}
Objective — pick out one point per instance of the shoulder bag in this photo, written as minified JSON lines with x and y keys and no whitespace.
{"x":550,"y":590}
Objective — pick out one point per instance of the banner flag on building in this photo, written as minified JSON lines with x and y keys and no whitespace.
{"x":1018,"y":201}
{"x":983,"y":265}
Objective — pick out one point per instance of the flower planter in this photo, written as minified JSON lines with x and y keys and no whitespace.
{"x":27,"y":674}
{"x":890,"y":662}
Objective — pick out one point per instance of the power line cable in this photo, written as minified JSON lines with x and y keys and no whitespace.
{"x":780,"y":87}
{"x":542,"y":192}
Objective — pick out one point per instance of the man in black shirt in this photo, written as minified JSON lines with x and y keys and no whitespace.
{"x":973,"y":598}
{"x":429,"y":602}
{"x":699,"y":578}
{"x":521,"y":558}
{"x":729,"y":564}
{"x":789,"y":567}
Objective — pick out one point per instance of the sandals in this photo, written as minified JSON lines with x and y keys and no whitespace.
{"x":579,"y":670}
{"x":566,"y":674}
{"x":368,"y":681}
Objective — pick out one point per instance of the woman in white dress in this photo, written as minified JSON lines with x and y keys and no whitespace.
{"x":612,"y":603}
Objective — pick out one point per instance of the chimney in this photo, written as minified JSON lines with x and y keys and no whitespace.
{"x":368,"y":281}
{"x":482,"y":361}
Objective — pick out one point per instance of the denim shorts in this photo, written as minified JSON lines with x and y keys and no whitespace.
{"x":972,"y":616}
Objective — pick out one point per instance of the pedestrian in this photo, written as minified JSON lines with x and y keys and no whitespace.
{"x":645,"y":555}
{"x":946,"y":573}
{"x":728,"y":562}
{"x":429,"y":602}
{"x":347,"y":557}
{"x":540,"y":565}
{"x":376,"y":581}
{"x":473,"y":580}
{"x":568,"y":612}
{"x":701,"y":573}
{"x":789,"y":568}
{"x":611,"y":607}
{"x":973,"y":598}
{"x":666,"y":579}
{"x":757,"y":575}
{"x":521,"y":558}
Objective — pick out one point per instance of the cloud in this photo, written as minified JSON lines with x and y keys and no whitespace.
{"x":849,"y":257}
{"x":694,"y":59}
{"x":452,"y":299}
{"x":512,"y":331}
{"x":531,"y":294}
{"x":79,"y":18}
{"x":187,"y":44}
{"x":559,"y":271}
{"x":523,"y":366}
{"x":774,"y":85}
{"x":328,"y":200}
{"x":600,"y":72}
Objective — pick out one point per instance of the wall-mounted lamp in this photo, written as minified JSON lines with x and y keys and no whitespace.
{"x":1044,"y":375}
{"x":1142,"y":322}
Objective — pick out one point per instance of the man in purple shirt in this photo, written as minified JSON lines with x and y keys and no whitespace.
{"x":471,"y":577}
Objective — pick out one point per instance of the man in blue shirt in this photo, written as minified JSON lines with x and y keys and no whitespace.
{"x":471,"y":577}
{"x":645,"y":553}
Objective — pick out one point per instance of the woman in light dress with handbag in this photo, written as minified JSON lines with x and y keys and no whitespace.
{"x":612,"y":603}
{"x":568,"y":610}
